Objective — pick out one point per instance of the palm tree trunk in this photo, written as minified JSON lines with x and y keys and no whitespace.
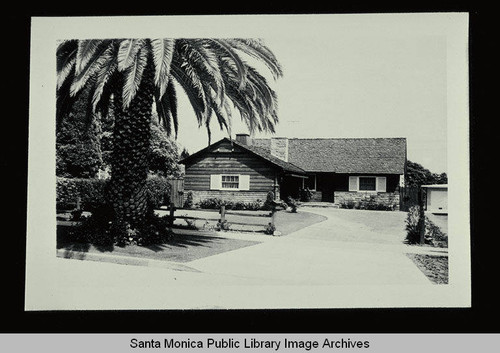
{"x":129,"y":165}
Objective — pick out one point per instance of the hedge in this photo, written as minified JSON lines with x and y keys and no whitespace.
{"x":92,"y":192}
{"x":216,"y":203}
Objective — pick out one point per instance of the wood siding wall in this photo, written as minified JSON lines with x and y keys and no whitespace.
{"x":224,"y":160}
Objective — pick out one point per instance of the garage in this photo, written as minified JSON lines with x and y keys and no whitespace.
{"x":436,"y":198}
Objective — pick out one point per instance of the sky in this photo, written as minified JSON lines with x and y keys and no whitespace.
{"x":346,"y":81}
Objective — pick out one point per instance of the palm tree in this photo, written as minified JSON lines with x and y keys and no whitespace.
{"x":134,"y":76}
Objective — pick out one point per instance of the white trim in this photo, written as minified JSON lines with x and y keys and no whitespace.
{"x":243,"y":182}
{"x":230,"y":189}
{"x":377,"y":183}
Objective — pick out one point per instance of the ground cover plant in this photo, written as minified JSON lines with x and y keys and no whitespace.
{"x":434,"y":267}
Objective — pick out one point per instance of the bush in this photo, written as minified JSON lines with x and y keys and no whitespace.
{"x":212,"y":203}
{"x":349,"y":204}
{"x":413,"y":225}
{"x":270,"y":228}
{"x":224,"y":225}
{"x":188,"y":203}
{"x":215,"y":203}
{"x":158,"y":190}
{"x":92,"y":192}
{"x":292,"y":204}
{"x":305,"y":195}
{"x":434,"y":235}
{"x":268,"y":204}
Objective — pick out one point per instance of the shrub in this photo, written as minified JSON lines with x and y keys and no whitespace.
{"x":434,"y":235}
{"x":292,"y":204}
{"x":413,"y":225}
{"x":224,"y":225}
{"x":305,"y":195}
{"x":211,"y":203}
{"x":254,"y":206}
{"x":349,"y":204}
{"x":270,"y":228}
{"x":268,"y":204}
{"x":92,"y":192}
{"x":158,"y":190}
{"x":188,"y":203}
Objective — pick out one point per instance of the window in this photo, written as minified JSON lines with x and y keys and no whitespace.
{"x":367,"y":183}
{"x":230,"y":182}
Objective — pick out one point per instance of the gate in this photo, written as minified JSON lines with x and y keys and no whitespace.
{"x":410,"y":196}
{"x":177,"y":192}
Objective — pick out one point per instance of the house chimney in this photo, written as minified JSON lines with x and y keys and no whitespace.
{"x":244,"y":139}
{"x":279,"y":148}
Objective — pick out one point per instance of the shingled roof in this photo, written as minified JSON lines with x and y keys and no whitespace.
{"x":345,"y":155}
{"x":259,"y":152}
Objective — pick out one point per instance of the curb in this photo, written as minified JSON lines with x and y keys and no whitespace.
{"x":123,"y":260}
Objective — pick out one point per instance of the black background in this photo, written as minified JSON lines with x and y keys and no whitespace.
{"x":481,"y":318}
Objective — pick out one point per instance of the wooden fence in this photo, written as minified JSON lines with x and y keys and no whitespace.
{"x":410,"y":196}
{"x":177,"y":192}
{"x":225,"y":219}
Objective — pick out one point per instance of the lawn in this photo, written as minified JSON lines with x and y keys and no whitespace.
{"x":191,"y":244}
{"x":187,"y":245}
{"x":434,"y":267}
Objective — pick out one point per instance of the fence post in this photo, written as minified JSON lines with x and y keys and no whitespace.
{"x":172,"y":210}
{"x":222,"y":213}
{"x":78,"y":203}
{"x":421,"y":218}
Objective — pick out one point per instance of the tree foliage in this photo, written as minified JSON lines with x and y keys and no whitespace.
{"x":78,"y":149}
{"x":417,"y":175}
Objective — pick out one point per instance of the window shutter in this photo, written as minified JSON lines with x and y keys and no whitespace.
{"x":381,"y":184}
{"x":215,"y":182}
{"x":353,"y":183}
{"x":244,"y":182}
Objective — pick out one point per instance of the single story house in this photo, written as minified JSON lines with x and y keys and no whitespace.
{"x":334,"y":169}
{"x":436,"y":198}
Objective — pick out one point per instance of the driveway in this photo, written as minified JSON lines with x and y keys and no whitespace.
{"x":350,"y":247}
{"x":351,"y":259}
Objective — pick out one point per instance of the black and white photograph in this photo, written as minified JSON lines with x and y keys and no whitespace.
{"x":314,"y":161}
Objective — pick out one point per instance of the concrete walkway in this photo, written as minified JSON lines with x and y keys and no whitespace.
{"x":337,"y":251}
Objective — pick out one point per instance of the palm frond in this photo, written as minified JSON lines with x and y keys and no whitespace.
{"x":224,"y":49}
{"x":100,"y":55}
{"x":193,"y":92}
{"x":103,"y":74}
{"x":163,"y":51}
{"x":258,"y":50}
{"x":166,"y":107}
{"x":127,"y":52}
{"x":66,"y":58}
{"x":133,"y":75}
{"x":86,"y":50}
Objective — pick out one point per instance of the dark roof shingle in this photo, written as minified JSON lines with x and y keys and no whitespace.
{"x":345,"y":155}
{"x":260,"y":152}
